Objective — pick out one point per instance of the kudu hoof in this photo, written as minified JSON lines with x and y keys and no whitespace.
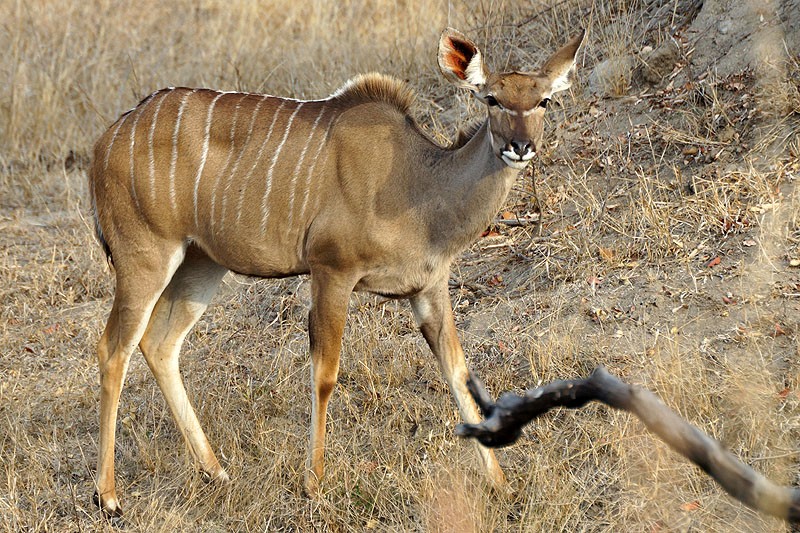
{"x":112,"y":513}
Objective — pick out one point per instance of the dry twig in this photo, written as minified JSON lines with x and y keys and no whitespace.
{"x":505,"y":418}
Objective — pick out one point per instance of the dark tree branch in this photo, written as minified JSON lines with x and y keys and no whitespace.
{"x":505,"y":418}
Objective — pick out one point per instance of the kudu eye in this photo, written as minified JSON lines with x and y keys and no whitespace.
{"x":544,"y":102}
{"x":491,"y":101}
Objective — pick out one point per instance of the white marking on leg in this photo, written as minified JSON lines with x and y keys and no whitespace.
{"x":239,"y":158}
{"x":174,"y":160}
{"x":264,"y":208}
{"x":314,"y":164}
{"x":421,"y":309}
{"x":300,"y":164}
{"x":173,"y":263}
{"x":227,"y":162}
{"x":152,"y":155}
{"x":242,"y":194}
{"x":206,"y":141}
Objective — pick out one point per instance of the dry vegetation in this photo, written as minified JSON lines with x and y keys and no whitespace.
{"x":670,"y":220}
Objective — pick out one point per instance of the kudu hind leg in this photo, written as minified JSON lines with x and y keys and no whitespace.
{"x":330,"y":297}
{"x":140,"y":280}
{"x":434,"y":314}
{"x":178,"y":309}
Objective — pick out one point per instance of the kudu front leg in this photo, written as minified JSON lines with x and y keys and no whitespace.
{"x":330,"y":295}
{"x":434,"y":314}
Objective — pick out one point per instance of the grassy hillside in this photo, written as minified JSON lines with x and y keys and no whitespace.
{"x":668,"y":251}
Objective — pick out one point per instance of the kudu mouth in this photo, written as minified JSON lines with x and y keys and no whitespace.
{"x":517,"y":154}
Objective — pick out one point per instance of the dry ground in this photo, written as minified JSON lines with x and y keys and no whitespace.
{"x":670,"y":224}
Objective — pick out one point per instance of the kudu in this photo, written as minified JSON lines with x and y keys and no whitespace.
{"x":193,"y":182}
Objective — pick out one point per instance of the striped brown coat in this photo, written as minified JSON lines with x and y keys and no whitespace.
{"x":192,"y":183}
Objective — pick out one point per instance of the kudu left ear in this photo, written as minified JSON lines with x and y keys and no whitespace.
{"x":560,"y":64}
{"x":461,"y":61}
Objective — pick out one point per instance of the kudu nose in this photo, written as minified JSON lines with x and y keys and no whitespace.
{"x":520,"y":148}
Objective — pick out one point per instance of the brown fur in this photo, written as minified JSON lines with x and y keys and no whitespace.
{"x":465,"y":133}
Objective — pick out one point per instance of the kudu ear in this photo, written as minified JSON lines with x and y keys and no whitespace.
{"x":461,"y":61}
{"x":560,"y":64}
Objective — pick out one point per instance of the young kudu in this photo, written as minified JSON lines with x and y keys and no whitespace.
{"x":192,"y":183}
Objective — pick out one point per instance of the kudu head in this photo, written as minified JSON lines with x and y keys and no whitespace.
{"x":516,"y":101}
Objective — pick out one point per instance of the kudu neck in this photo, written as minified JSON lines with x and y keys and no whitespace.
{"x":476,"y":185}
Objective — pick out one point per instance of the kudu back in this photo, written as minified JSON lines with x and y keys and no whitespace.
{"x":192,"y":183}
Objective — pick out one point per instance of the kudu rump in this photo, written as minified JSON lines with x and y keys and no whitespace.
{"x":193,"y":182}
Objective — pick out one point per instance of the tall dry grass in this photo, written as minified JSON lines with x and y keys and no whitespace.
{"x":620,"y":276}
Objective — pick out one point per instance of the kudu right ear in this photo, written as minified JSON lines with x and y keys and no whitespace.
{"x":461,"y":61}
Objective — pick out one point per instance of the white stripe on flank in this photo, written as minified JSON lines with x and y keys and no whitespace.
{"x":314,"y":164}
{"x":206,"y":141}
{"x":120,"y":120}
{"x":227,"y":162}
{"x":239,"y":159}
{"x":133,"y":140}
{"x":318,"y":196}
{"x":174,"y":161}
{"x":293,"y":186}
{"x":264,"y":208}
{"x":255,"y":163}
{"x":152,"y":156}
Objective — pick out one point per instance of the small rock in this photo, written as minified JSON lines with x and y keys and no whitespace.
{"x":656,"y":63}
{"x":794,"y":263}
{"x":611,"y":77}
{"x":727,"y":134}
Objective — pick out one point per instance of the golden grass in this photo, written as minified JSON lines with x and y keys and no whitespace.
{"x":626,"y":203}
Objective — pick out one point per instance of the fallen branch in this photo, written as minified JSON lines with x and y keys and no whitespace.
{"x":505,"y":419}
{"x":516,"y":221}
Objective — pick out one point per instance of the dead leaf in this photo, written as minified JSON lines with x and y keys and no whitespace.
{"x":714,"y":262}
{"x":490,"y":233}
{"x":690,"y":150}
{"x":779,"y":330}
{"x":784,"y":393}
{"x":508,"y":215}
{"x":690,"y":506}
{"x":749,"y":242}
{"x":368,"y":466}
{"x":607,"y":254}
{"x":496,"y":280}
{"x":728,"y":301}
{"x":50,"y":329}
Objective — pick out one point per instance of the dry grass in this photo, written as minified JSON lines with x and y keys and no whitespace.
{"x":632,"y":218}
